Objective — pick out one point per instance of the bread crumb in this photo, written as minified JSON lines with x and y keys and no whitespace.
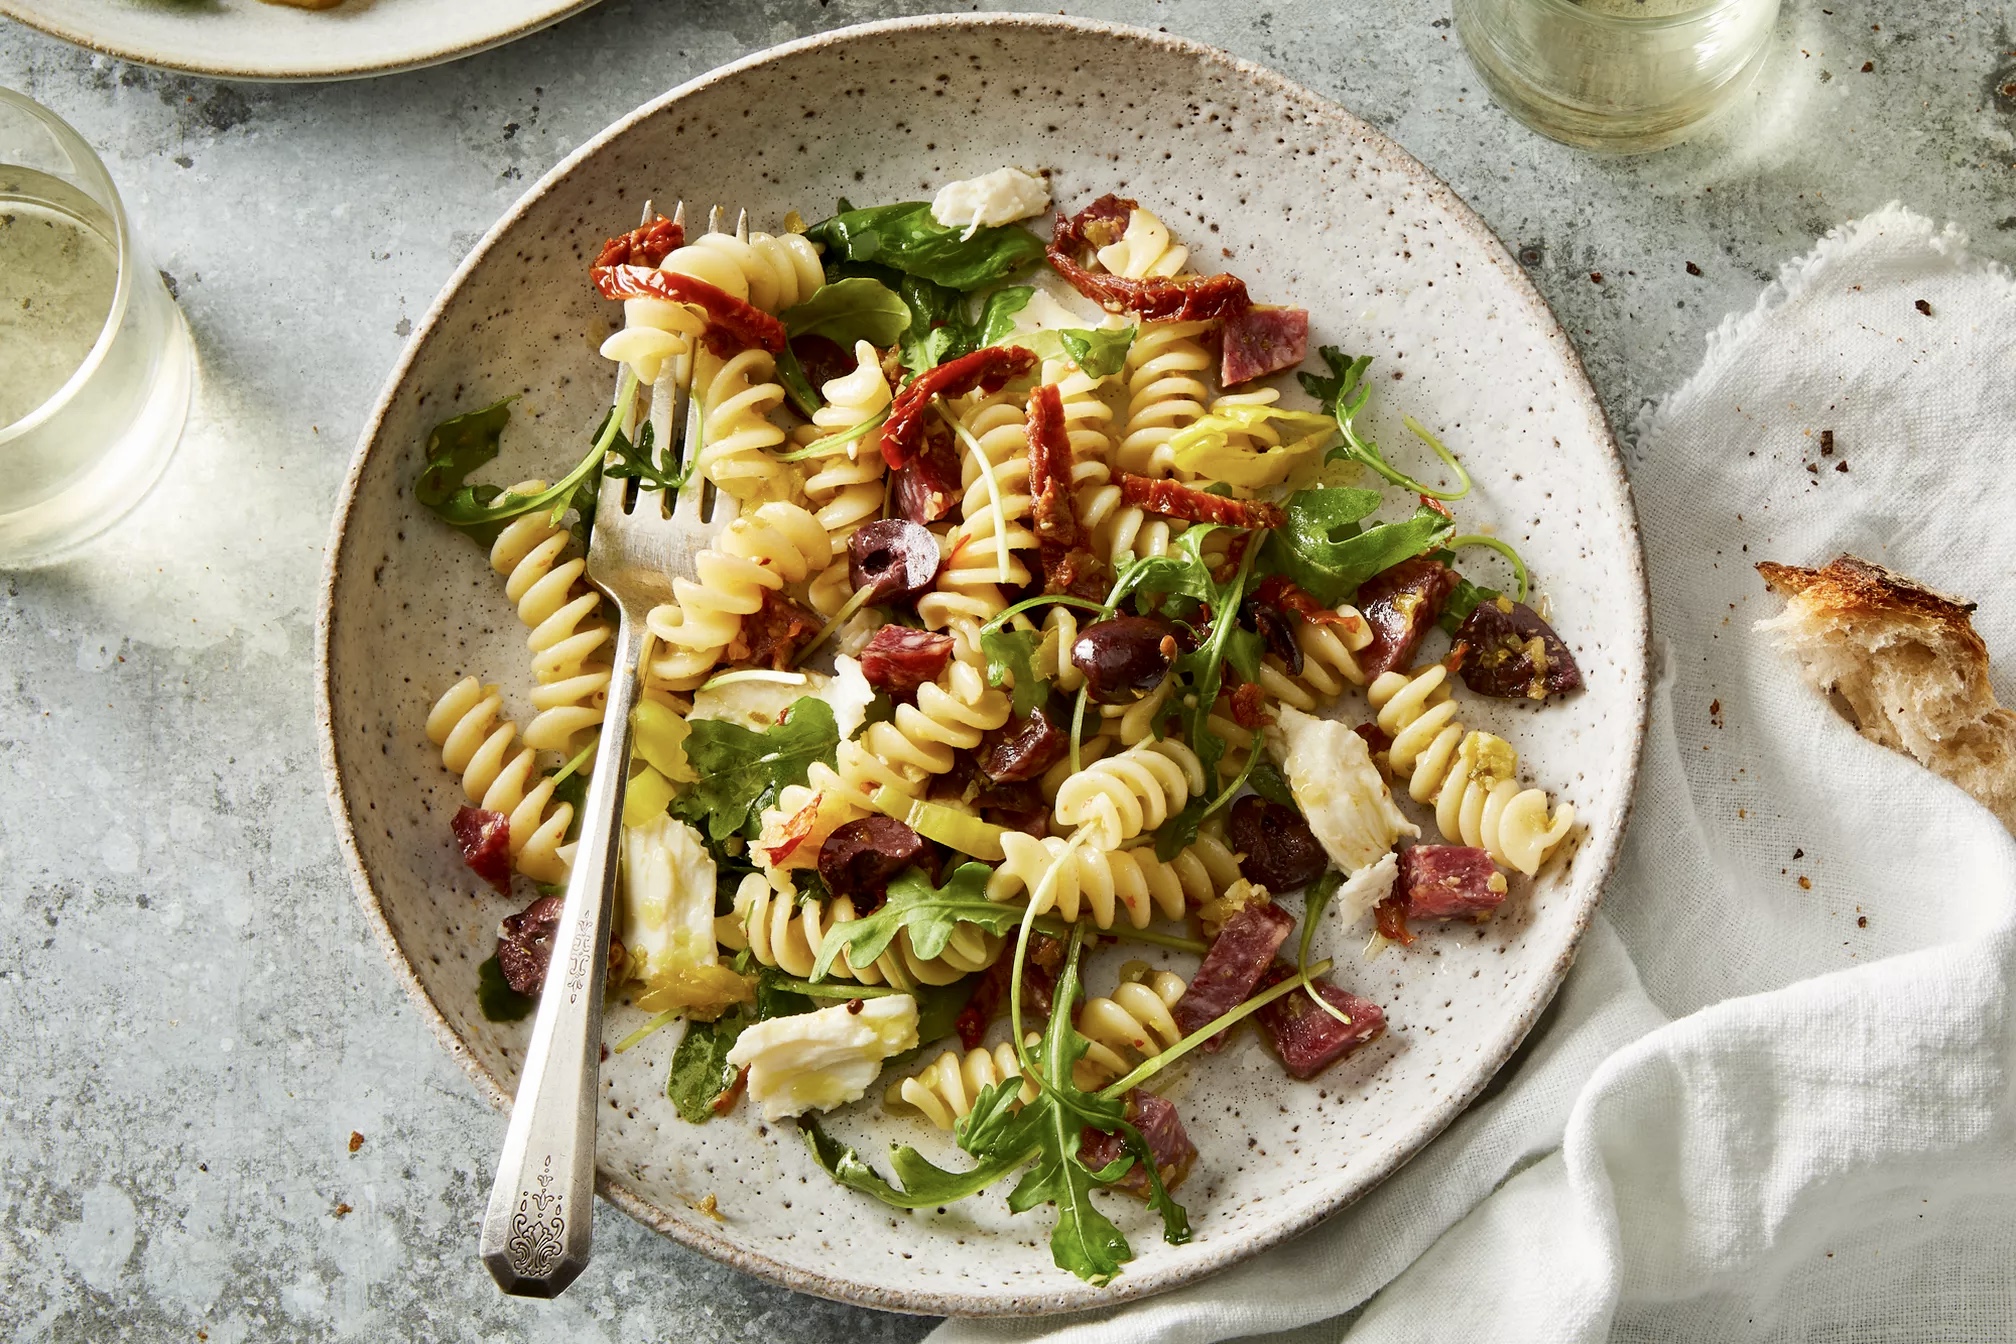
{"x":356,"y":1140}
{"x":340,"y":1210}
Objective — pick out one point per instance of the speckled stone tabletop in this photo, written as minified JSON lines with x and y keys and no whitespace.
{"x":219,"y":1117}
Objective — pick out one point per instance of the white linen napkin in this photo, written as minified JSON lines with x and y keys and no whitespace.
{"x":1777,"y":1096}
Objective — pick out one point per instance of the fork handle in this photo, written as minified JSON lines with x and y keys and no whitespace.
{"x":538,"y":1228}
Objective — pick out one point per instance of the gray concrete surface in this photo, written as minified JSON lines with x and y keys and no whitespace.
{"x":193,"y":1019}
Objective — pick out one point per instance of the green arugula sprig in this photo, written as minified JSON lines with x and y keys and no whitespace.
{"x":1099,"y":353}
{"x":941,"y":327}
{"x":1326,"y":549}
{"x":931,"y":915}
{"x":905,"y":237}
{"x":1344,"y":393}
{"x":741,"y":771}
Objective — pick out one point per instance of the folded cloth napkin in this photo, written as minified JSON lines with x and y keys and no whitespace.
{"x":1776,"y":1097}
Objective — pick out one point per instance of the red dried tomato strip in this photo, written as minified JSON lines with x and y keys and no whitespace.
{"x":1173,"y":499}
{"x":1189,"y":298}
{"x":646,"y":245}
{"x":796,"y":828}
{"x":1279,"y":592}
{"x":1390,"y":916}
{"x":1068,"y":565}
{"x":1249,"y":706}
{"x":732,"y":324}
{"x":988,"y":370}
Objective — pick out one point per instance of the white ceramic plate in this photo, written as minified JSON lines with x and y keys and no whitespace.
{"x":247,"y":39}
{"x":1267,"y":180}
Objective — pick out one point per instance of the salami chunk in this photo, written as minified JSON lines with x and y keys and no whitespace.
{"x":1513,"y":653}
{"x":1307,"y":1039}
{"x":1234,"y":965}
{"x":1449,"y":882}
{"x":1263,"y":340}
{"x":525,"y":944}
{"x":1400,"y":604}
{"x":898,"y":659}
{"x":485,"y":841}
{"x":1161,"y":1129}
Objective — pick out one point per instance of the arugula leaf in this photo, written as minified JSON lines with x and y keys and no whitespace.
{"x":904,"y":237}
{"x":1099,"y":353}
{"x":1183,"y":570}
{"x":791,"y":376}
{"x":931,"y":914}
{"x":639,"y":462}
{"x":858,"y":308}
{"x":460,"y":444}
{"x":457,"y":446}
{"x":1179,"y":832}
{"x":1013,"y":653}
{"x":997,"y":314}
{"x":1267,"y":782}
{"x":1328,"y":553}
{"x":742,"y":770}
{"x":1344,"y":393}
{"x":494,"y":995}
{"x":700,"y":1071}
{"x":940,"y":328}
{"x":925,"y":1185}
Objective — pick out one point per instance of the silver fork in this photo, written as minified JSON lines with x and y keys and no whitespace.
{"x":539,"y":1225}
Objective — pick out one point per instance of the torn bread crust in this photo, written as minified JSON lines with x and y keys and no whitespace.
{"x":1906,"y":662}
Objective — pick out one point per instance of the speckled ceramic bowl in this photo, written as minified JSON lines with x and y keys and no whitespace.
{"x":249,"y":39}
{"x":1311,"y":207}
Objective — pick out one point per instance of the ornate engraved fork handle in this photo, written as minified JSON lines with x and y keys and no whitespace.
{"x":538,"y":1228}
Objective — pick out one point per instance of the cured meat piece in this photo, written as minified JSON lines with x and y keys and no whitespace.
{"x":1307,"y":1039}
{"x":525,"y":944}
{"x":898,"y":659}
{"x":1022,"y":749}
{"x":1240,"y":956}
{"x":1183,"y":298}
{"x":732,"y":324}
{"x":1173,"y":499}
{"x":646,"y":245}
{"x":988,"y":370}
{"x":990,"y":996}
{"x":1400,"y":604}
{"x":1514,"y":653}
{"x":485,"y":841}
{"x":1020,"y":806}
{"x":1448,"y":882}
{"x":1263,"y":340}
{"x":1161,"y":1129}
{"x":773,"y":633}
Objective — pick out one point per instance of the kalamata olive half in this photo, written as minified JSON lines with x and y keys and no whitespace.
{"x":1281,"y":852}
{"x":892,"y":558}
{"x":860,"y":857}
{"x":1277,"y":630}
{"x":1022,"y":749}
{"x":1124,"y":658}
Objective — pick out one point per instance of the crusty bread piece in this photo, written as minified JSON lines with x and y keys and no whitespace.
{"x":1906,"y":663}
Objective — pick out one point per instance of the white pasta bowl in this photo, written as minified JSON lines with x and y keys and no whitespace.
{"x":1311,"y":207}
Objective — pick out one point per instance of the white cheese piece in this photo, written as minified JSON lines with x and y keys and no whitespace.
{"x":816,"y":1061}
{"x":1330,"y":772}
{"x":1365,"y":888}
{"x":758,"y":705}
{"x":1000,"y":197}
{"x":668,"y":898}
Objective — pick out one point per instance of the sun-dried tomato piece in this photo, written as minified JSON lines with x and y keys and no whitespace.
{"x":988,"y":370}
{"x":929,"y":486}
{"x":485,"y":841}
{"x":732,"y":324}
{"x":1069,"y":566}
{"x":773,"y":634}
{"x":796,"y":827}
{"x":1279,"y":592}
{"x":646,"y":245}
{"x":1249,"y":706}
{"x":898,"y":659}
{"x":1390,"y":917}
{"x":1187,"y":298}
{"x":1173,"y":499}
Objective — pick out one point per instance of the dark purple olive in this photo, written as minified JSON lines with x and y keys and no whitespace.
{"x":1514,"y":653}
{"x":1124,"y":658}
{"x":892,"y":558}
{"x":1276,"y":630}
{"x":822,"y":358}
{"x":525,"y":944}
{"x":860,"y":857}
{"x":1281,"y":852}
{"x":1023,"y":748}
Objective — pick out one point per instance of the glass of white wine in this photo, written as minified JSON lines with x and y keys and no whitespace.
{"x":96,"y":363}
{"x":1620,"y":75}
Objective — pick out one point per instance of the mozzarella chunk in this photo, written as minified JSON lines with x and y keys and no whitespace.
{"x":758,"y":704}
{"x":1330,"y":772}
{"x":816,"y":1061}
{"x":668,"y":921}
{"x":1000,"y":197}
{"x":1365,"y":888}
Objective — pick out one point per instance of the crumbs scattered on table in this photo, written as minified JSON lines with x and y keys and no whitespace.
{"x":340,"y":1210}
{"x":356,"y":1140}
{"x":1805,"y":883}
{"x":1861,"y":921}
{"x":1692,"y":269}
{"x":1715,"y":712}
{"x":1826,"y":443}
{"x":1595,"y":277}
{"x":1923,"y":307}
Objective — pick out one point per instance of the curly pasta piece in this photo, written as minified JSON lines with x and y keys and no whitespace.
{"x":988,"y":545}
{"x":1136,"y":720}
{"x":777,"y":544}
{"x":475,"y":743}
{"x":1120,"y":797}
{"x":1164,"y":394}
{"x":783,"y":932}
{"x":1101,"y":885}
{"x":1471,"y":777}
{"x":945,"y":1090}
{"x":1206,"y":868}
{"x":568,"y":632}
{"x":1329,"y":662}
{"x":736,"y":397}
{"x":1146,"y":249}
{"x":846,"y":488}
{"x":773,"y":273}
{"x":1135,"y":1024}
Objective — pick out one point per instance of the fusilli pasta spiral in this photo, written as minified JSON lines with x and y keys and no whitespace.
{"x":777,"y":544}
{"x":783,"y":932}
{"x":1120,"y":797}
{"x":475,"y":743}
{"x":1133,"y":1025}
{"x":1101,"y":885}
{"x":846,"y":487}
{"x":1329,"y":662}
{"x":736,"y":397}
{"x":568,"y":632}
{"x":1145,"y":249}
{"x":1164,"y":393}
{"x":987,"y":546}
{"x":945,"y":1090}
{"x":1471,"y":777}
{"x":773,"y":273}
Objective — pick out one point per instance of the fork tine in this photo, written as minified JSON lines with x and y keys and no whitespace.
{"x":715,"y":215}
{"x":688,"y":509}
{"x":742,"y":227}
{"x":679,"y":213}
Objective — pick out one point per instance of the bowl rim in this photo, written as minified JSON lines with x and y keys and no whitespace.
{"x":298,"y":71}
{"x":1139,"y":1283}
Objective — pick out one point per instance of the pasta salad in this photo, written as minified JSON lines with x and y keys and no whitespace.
{"x":1046,"y":621}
